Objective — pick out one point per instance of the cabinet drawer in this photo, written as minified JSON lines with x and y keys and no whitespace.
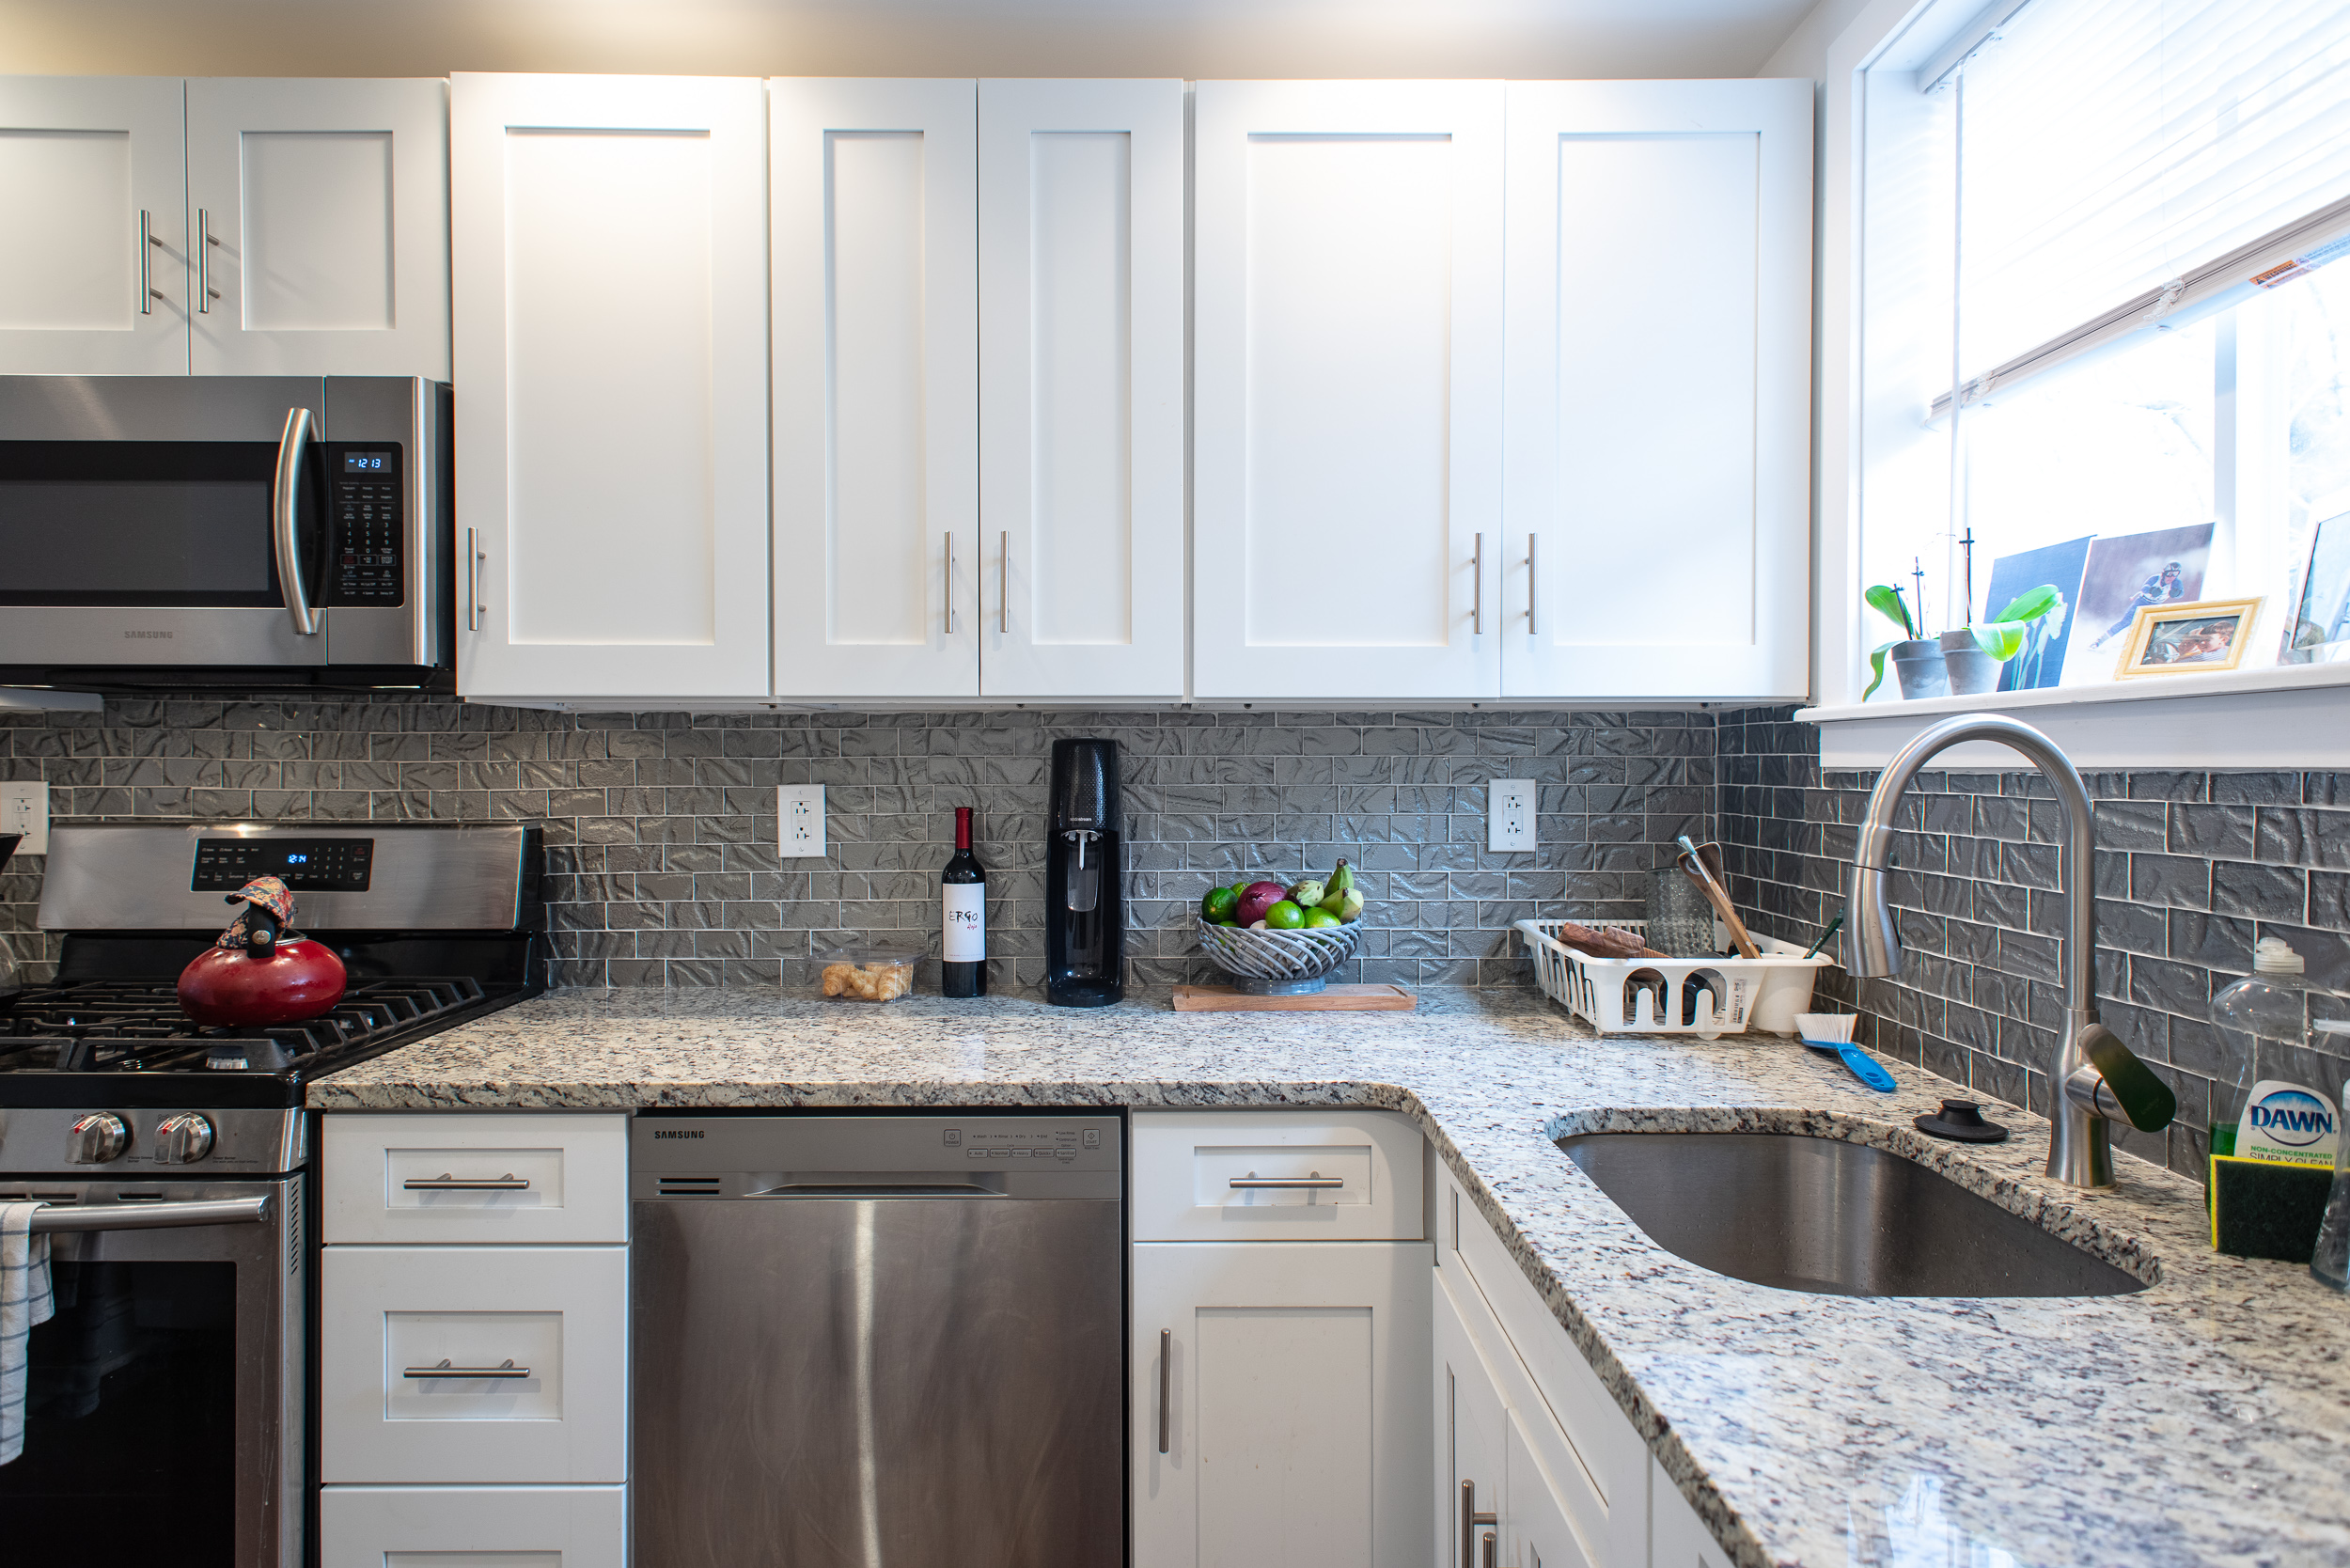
{"x":1220,"y":1176}
{"x":541,"y":1329}
{"x":463,"y":1177}
{"x":473,"y":1527}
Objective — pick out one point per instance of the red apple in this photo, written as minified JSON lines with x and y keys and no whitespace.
{"x":1256,"y":899}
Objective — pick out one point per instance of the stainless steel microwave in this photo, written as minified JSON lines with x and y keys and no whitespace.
{"x":169,"y":532}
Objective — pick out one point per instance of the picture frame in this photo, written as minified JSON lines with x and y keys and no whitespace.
{"x":2190,"y":637}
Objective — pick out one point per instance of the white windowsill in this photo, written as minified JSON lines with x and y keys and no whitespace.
{"x":2278,"y":716}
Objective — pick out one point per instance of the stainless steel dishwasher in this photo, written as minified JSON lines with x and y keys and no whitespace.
{"x":878,"y":1341}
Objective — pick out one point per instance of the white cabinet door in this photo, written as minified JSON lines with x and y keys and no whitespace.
{"x":1472,"y":1438}
{"x":876,"y":383}
{"x":1280,"y":1404}
{"x":473,"y":1527}
{"x":1539,"y":1530}
{"x":609,"y":307}
{"x":318,"y":215}
{"x":1081,"y":389}
{"x":1347,"y":389}
{"x":1659,"y":390}
{"x":94,"y":271}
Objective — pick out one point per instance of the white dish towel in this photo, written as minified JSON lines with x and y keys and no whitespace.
{"x":25,"y":1300}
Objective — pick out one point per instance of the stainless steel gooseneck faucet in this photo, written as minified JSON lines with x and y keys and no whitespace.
{"x":2095,"y":1080}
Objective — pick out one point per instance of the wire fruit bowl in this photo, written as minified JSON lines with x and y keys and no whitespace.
{"x":1274,"y":963}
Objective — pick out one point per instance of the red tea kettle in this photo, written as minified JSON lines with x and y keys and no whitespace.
{"x":262,"y":971}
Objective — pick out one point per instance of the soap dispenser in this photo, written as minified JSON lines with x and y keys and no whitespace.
{"x":1084,"y":863}
{"x":2274,"y":1128}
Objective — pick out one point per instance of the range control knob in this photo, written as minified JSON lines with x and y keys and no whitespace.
{"x":97,"y":1139}
{"x":182,"y":1139}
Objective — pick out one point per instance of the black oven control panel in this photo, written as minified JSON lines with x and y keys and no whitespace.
{"x":305,"y":865}
{"x":365,"y":541}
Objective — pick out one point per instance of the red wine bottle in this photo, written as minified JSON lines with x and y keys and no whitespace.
{"x":963,"y":914}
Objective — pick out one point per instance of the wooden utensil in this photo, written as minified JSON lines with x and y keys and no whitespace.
{"x":1708,"y":876}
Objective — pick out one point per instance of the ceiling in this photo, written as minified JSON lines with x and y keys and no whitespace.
{"x":915,"y":37}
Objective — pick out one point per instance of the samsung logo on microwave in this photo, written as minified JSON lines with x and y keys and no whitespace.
{"x":694,"y":1133}
{"x":164,"y":636}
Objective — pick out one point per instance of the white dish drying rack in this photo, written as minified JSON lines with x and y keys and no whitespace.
{"x":1703,"y":997}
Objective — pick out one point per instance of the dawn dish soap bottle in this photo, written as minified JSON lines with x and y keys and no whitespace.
{"x":2275,"y":1130}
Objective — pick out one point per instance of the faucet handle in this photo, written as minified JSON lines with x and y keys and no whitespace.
{"x":2143,"y":1098}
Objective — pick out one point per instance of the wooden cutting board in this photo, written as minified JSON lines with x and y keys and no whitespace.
{"x":1331,"y":999}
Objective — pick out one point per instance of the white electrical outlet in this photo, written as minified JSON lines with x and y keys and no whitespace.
{"x":1509,"y":815}
{"x":25,"y":808}
{"x":800,"y":810}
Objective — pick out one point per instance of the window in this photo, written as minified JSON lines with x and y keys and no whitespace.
{"x":2107,"y":351}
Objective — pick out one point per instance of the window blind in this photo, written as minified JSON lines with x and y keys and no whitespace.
{"x":2111,"y":147}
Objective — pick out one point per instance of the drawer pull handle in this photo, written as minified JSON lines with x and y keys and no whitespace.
{"x":445,"y":1182}
{"x":1288,"y":1183}
{"x":504,"y":1368}
{"x":1471,"y":1519}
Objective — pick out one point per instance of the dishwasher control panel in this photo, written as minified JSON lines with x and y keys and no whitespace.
{"x":689,"y":1155}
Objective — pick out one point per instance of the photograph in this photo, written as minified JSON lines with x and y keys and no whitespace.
{"x":2187,"y":638}
{"x":2320,"y":626}
{"x":2041,"y":660}
{"x":2125,"y":573}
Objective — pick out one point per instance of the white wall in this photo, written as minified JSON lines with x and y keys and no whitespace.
{"x":913,"y":38}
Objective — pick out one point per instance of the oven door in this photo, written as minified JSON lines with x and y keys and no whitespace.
{"x":162,"y":520}
{"x":162,"y":1397}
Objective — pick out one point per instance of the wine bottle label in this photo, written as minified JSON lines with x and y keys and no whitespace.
{"x":962,"y":908}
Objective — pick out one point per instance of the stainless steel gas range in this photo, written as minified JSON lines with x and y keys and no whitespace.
{"x":171,"y":1389}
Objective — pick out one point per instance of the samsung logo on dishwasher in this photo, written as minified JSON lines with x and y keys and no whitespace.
{"x":690,"y":1133}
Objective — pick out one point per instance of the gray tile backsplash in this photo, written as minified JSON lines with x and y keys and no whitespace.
{"x":2192,"y":869}
{"x":660,"y":827}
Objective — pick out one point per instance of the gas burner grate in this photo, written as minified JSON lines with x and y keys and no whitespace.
{"x":136,"y":1026}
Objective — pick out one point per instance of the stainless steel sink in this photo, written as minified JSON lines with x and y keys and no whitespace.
{"x":1834,"y":1219}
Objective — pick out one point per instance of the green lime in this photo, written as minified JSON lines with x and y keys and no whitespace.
{"x":1217,"y":907}
{"x":1316,"y":918}
{"x":1284,"y":915}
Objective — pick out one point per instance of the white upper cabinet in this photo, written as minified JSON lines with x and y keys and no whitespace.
{"x":1081,"y":387}
{"x":1347,"y":389}
{"x":610,"y":309}
{"x":877,"y":562}
{"x":319,"y":216}
{"x":1659,"y":390}
{"x":94,"y":271}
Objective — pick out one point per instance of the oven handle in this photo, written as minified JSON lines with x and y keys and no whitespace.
{"x":286,"y":506}
{"x":152,"y":1217}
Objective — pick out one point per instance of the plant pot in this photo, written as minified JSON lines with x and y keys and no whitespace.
{"x":1919,"y":665}
{"x":1971,"y":671}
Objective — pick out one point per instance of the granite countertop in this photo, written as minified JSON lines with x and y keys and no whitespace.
{"x":2205,"y":1419}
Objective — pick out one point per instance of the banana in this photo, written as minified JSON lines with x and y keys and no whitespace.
{"x":1335,"y":891}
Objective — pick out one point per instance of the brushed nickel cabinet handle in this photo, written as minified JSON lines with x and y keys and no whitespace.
{"x":205,"y":293}
{"x":1477,"y":606}
{"x":1003,"y":587}
{"x":1470,"y":1520}
{"x":1287,"y":1183}
{"x":148,"y":296}
{"x":446,"y":1182}
{"x":1533,"y":583}
{"x":504,"y":1368}
{"x":1167,"y":1381}
{"x":1489,"y":1549}
{"x":473,"y":582}
{"x":950,"y":582}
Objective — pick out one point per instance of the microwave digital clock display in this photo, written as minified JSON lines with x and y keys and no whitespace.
{"x":367,"y":462}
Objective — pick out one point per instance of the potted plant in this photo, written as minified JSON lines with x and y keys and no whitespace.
{"x":1917,"y":660}
{"x":1973,"y":656}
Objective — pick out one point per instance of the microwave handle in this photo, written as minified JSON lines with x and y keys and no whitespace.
{"x":286,"y":506}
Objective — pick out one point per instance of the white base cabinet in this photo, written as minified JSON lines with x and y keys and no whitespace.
{"x":1522,"y":1415}
{"x":473,"y":1527}
{"x":1279,"y":1403}
{"x":1679,"y":1538}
